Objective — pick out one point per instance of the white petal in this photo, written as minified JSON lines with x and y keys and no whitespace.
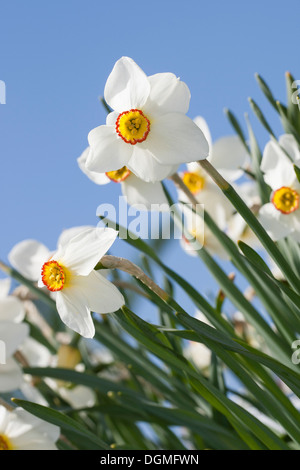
{"x":85,"y":250}
{"x":145,"y":166}
{"x":67,"y":235}
{"x":79,"y":396}
{"x":138,"y":191}
{"x":27,"y":432}
{"x":102,"y":296}
{"x":11,"y":376}
{"x":28,"y":257}
{"x":199,"y":354}
{"x":277,"y":167}
{"x":111,"y":118}
{"x":295,"y":225}
{"x":13,"y":335}
{"x":200,"y":121}
{"x":11,"y":309}
{"x":108,"y":151}
{"x":127,"y":86}
{"x":289,"y":143}
{"x":74,"y":312}
{"x":35,"y":353}
{"x":174,"y":138}
{"x":4,"y":287}
{"x":98,"y":178}
{"x":249,"y":193}
{"x":228,"y":155}
{"x":274,"y":222}
{"x":168,"y":94}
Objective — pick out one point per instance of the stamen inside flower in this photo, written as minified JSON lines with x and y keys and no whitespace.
{"x":198,"y":235}
{"x":118,"y":175}
{"x":4,"y":443}
{"x":133,"y":126}
{"x":53,"y":276}
{"x":193,"y":181}
{"x":286,"y":200}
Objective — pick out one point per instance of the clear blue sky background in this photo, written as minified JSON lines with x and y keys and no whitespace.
{"x":55,"y":59}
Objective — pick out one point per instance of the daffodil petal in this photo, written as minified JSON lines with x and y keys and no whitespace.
{"x":127,"y":86}
{"x":229,"y":156}
{"x":274,"y":222}
{"x":4,"y":287}
{"x":278,"y":169}
{"x":202,"y":124}
{"x":289,"y":143}
{"x":69,"y":233}
{"x":111,"y":118}
{"x":13,"y":335}
{"x":174,"y":138}
{"x":108,"y":151}
{"x":145,"y":166}
{"x":168,"y":94}
{"x":85,"y":250}
{"x":11,"y":309}
{"x":27,"y":257}
{"x":97,"y":178}
{"x":102,"y":296}
{"x":73,"y":310}
{"x":11,"y":376}
{"x":27,"y":432}
{"x":138,"y":191}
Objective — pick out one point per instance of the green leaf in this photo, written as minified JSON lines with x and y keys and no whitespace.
{"x":256,"y":157}
{"x":259,"y":114}
{"x":236,"y":126}
{"x":266,"y":90}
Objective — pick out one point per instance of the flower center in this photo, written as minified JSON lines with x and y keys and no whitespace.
{"x":4,"y":443}
{"x":132,"y":126}
{"x":53,"y":276}
{"x":118,"y":175}
{"x":194,"y":182}
{"x":286,"y":200}
{"x":198,"y":235}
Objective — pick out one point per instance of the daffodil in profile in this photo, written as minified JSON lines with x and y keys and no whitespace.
{"x":79,"y":289}
{"x":148,"y":130}
{"x":281,"y":216}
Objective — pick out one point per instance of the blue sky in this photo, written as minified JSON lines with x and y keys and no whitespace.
{"x":55,"y":59}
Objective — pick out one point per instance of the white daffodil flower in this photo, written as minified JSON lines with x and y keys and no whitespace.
{"x":12,"y":336}
{"x":20,"y":430}
{"x":148,"y":130}
{"x":11,"y":308}
{"x":227,"y":154}
{"x":133,"y":188}
{"x":79,"y":289}
{"x":281,"y":216}
{"x":28,"y":256}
